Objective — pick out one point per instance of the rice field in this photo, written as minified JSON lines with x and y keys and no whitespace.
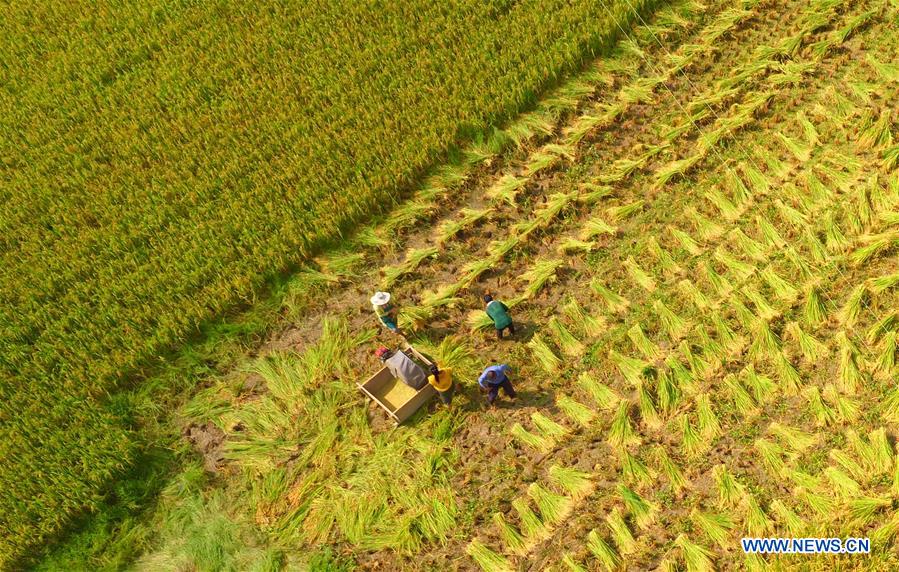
{"x":163,"y":164}
{"x":697,"y":239}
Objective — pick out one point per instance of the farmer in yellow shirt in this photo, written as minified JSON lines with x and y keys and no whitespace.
{"x":442,"y":380}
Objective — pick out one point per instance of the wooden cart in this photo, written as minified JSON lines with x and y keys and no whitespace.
{"x":395,"y":397}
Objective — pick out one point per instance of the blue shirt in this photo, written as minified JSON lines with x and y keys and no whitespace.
{"x":500,"y":375}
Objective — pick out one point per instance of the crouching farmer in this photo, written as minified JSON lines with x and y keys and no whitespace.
{"x":494,"y":378}
{"x":385,"y":311}
{"x":442,"y":380}
{"x":499,"y":313}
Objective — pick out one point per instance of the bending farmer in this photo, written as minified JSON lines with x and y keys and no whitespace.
{"x":385,"y":311}
{"x":499,"y":312}
{"x":493,"y":378}
{"x":403,"y":368}
{"x":442,"y":380}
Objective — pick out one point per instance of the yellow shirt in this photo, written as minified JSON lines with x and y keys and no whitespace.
{"x":444,"y":380}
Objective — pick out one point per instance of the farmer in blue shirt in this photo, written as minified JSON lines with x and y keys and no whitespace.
{"x":493,"y":378}
{"x":499,"y":313}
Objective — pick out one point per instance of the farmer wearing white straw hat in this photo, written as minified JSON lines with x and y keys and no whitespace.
{"x":385,"y":311}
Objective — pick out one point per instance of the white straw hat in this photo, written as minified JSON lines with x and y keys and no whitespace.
{"x":380,"y":298}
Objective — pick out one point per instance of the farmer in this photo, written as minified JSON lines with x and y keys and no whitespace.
{"x":402,"y":367}
{"x":385,"y":311}
{"x":493,"y":378}
{"x":442,"y":380}
{"x":499,"y":312}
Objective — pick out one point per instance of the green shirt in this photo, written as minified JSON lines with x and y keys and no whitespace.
{"x":499,"y":312}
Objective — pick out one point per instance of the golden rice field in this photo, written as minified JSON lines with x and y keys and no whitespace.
{"x":697,"y":236}
{"x":162,"y":163}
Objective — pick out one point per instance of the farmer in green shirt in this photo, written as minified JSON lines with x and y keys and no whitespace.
{"x":499,"y":313}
